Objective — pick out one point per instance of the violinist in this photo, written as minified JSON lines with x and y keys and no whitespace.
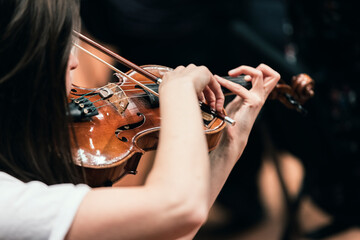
{"x":42,"y":194}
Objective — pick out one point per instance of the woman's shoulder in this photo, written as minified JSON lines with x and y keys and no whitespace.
{"x":49,"y":209}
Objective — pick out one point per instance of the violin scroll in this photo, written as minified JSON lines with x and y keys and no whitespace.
{"x":301,"y":90}
{"x":303,"y":87}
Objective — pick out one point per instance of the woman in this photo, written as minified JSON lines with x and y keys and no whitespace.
{"x":41,"y":197}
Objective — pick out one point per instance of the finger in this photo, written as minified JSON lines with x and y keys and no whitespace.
{"x":215,"y":89}
{"x":201,"y":97}
{"x":191,"y":66}
{"x":233,"y":87}
{"x":209,"y":96}
{"x":218,"y":94}
{"x":268,"y":71}
{"x":271,"y":77}
{"x":257,"y":75}
{"x":179,"y":67}
{"x":270,"y":84}
{"x":247,"y":78}
{"x":235,"y":72}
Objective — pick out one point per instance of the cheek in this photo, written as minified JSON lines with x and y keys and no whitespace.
{"x":68,"y":80}
{"x":72,"y":65}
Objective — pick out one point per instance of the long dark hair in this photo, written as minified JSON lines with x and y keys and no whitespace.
{"x":35,"y":43}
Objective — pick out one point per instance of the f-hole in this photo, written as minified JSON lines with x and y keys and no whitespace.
{"x":128,"y":127}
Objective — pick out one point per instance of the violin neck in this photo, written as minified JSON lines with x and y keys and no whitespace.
{"x":238,"y":80}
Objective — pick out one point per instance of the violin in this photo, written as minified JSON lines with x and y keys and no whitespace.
{"x":116,"y":124}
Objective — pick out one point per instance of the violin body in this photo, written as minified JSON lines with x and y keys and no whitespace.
{"x":110,"y":144}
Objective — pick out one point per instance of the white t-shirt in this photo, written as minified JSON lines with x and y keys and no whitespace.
{"x":35,"y":210}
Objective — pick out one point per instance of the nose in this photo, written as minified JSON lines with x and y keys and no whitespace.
{"x":73,"y":61}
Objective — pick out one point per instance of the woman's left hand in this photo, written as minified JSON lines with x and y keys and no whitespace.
{"x":248,"y":103}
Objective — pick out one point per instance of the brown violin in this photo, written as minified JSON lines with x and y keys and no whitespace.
{"x":116,"y":124}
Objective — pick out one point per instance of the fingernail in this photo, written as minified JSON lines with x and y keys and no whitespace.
{"x":247,"y":78}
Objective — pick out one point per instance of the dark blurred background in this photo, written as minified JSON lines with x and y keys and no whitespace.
{"x":320,"y":38}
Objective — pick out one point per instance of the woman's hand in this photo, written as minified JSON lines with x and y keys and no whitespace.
{"x":204,"y":82}
{"x":247,"y":104}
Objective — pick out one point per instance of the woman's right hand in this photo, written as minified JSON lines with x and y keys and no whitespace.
{"x":204,"y":82}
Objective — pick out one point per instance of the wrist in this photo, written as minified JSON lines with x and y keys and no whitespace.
{"x":179,"y":84}
{"x":232,"y":142}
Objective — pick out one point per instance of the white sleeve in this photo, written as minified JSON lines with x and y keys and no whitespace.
{"x":35,"y":210}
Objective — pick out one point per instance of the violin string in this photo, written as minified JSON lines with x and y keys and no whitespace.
{"x":119,"y":100}
{"x":96,"y":94}
{"x":118,"y":93}
{"x":97,"y":89}
{"x":132,"y":90}
{"x":128,"y":85}
{"x":111,"y":88}
{"x":90,"y":93}
{"x":115,"y":69}
{"x":103,"y":98}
